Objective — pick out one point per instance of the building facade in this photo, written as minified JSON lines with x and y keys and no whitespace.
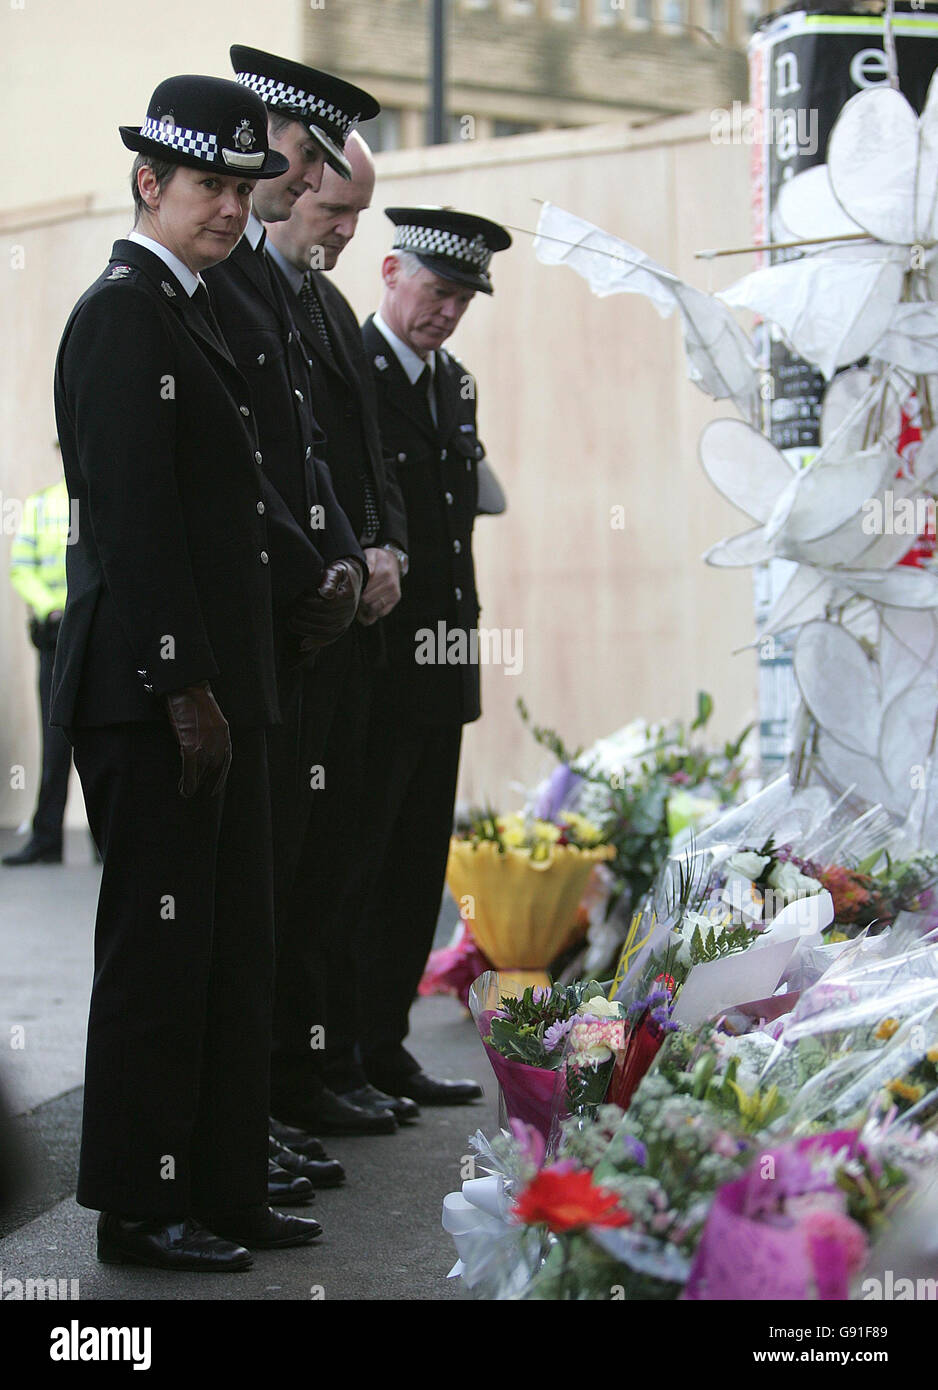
{"x":515,"y":66}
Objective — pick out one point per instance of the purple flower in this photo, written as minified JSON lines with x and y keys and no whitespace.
{"x":664,"y":1021}
{"x":554,"y":794}
{"x":636,"y":1150}
{"x":555,"y":1034}
{"x":530,"y":1141}
{"x":540,"y":994}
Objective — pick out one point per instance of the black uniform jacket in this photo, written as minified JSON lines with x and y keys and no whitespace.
{"x":347,"y":410}
{"x":435,"y":466}
{"x":258,"y":324}
{"x":169,"y":579}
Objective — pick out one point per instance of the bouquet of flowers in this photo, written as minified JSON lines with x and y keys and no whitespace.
{"x":552,"y":1049}
{"x":518,"y":882}
{"x":643,"y":785}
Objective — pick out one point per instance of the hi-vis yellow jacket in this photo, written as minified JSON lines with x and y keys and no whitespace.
{"x":37,"y":563}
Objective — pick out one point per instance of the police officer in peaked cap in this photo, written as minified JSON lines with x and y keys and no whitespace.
{"x":439,"y":261}
{"x":165,"y":682}
{"x":310,"y":116}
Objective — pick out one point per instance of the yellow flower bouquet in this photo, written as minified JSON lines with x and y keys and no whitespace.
{"x":519,"y":883}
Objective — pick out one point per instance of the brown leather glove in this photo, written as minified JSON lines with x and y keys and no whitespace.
{"x":204,"y":739}
{"x":321,"y":618}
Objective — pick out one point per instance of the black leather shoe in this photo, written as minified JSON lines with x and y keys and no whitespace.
{"x":332,"y":1114}
{"x":428,"y":1090}
{"x":259,"y":1228}
{"x":33,"y":854}
{"x":327,"y":1173}
{"x":370,"y":1098}
{"x":297,"y":1140}
{"x":286,"y":1189}
{"x":161,"y":1244}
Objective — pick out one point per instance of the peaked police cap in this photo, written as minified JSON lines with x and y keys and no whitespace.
{"x":207,"y":123}
{"x":328,"y":107}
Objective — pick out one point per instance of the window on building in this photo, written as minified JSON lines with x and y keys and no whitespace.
{"x":477,"y":4}
{"x":507,"y":127}
{"x":565,"y":9}
{"x":716,"y":17}
{"x":606,"y":11}
{"x":643,"y":13}
{"x":674,"y":13}
{"x":384,"y":132}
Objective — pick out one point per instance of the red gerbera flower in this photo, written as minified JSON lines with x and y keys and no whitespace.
{"x":566,"y":1201}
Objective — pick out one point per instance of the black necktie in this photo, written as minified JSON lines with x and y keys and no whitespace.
{"x":424,"y":385}
{"x":204,"y":305}
{"x":310,"y":302}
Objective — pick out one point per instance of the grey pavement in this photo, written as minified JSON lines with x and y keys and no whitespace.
{"x":382,"y":1235}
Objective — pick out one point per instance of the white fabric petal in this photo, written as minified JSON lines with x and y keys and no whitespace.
{"x":831,"y":307}
{"x":848,"y":769}
{"x":807,"y":207}
{"x":872,"y":158}
{"x":839,"y":684}
{"x":745,"y":466}
{"x":805,"y":597}
{"x":911,"y":340}
{"x":905,"y":733}
{"x":748,"y":548}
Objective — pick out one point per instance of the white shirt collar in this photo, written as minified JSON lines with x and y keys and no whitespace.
{"x":187,"y":278}
{"x":412,"y":363}
{"x":294,"y":276}
{"x":254,"y":230}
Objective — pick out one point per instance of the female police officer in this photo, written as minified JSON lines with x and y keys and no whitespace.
{"x":165,"y":681}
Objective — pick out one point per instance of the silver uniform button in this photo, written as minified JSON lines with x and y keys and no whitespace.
{"x":309,"y":450}
{"x":449,"y":497}
{"x":443,"y":455}
{"x":258,"y":457}
{"x":260,"y":509}
{"x":244,"y":410}
{"x":264,"y":557}
{"x":298,"y":393}
{"x":402,"y":458}
{"x":458,"y":593}
{"x":456,"y":547}
{"x":261,"y":358}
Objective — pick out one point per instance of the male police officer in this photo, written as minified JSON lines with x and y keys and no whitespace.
{"x":310,"y":115}
{"x":166,"y":652}
{"x":321,"y":957}
{"x":427,"y":411}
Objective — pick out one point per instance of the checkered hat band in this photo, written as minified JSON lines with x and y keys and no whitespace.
{"x":433,"y":241}
{"x":274,"y":93}
{"x":186,"y":141}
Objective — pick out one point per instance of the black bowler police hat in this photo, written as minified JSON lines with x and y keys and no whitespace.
{"x":328,"y":107}
{"x":456,"y":245}
{"x":207,"y":123}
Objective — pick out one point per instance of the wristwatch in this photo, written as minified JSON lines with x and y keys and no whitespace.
{"x":400,"y":556}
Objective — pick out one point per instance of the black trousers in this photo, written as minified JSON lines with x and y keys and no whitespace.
{"x":410,"y":794}
{"x":56,"y":762}
{"x":177,"y":1066}
{"x":315,"y":1015}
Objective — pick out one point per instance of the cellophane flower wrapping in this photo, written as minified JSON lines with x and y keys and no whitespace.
{"x":528,"y":1094}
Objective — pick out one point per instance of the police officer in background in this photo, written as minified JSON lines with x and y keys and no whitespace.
{"x":165,"y":679}
{"x":427,"y":413}
{"x":37,"y":573}
{"x":320,"y":955}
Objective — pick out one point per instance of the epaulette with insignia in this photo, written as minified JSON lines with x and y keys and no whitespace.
{"x":120,"y":272}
